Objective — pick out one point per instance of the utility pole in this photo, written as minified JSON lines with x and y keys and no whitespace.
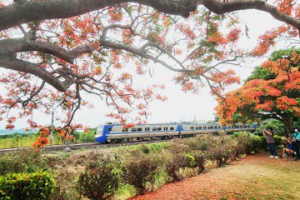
{"x":52,"y":128}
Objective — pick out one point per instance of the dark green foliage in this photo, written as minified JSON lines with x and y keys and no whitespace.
{"x":86,"y":137}
{"x":284,"y":53}
{"x":35,"y":186}
{"x":278,"y":140}
{"x":18,"y":135}
{"x":145,"y":149}
{"x":139,"y":171}
{"x":277,"y":125}
{"x":99,"y":181}
{"x":260,"y":73}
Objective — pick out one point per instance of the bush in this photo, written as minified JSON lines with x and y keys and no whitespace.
{"x":278,"y":140}
{"x":65,"y":187}
{"x":249,"y":142}
{"x":35,"y":186}
{"x":99,"y":181}
{"x":277,"y":125}
{"x":177,"y":148}
{"x":174,"y":164}
{"x":221,"y":150}
{"x":200,"y":142}
{"x":152,"y":148}
{"x":87,"y":137}
{"x":21,"y":162}
{"x":198,"y":162}
{"x":140,"y":171}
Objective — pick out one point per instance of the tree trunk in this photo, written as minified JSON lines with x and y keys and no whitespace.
{"x":288,"y":125}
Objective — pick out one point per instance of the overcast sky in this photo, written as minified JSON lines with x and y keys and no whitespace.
{"x":180,"y":106}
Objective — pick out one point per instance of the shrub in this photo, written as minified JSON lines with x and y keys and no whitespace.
{"x":87,"y":137}
{"x":198,"y":161}
{"x":174,"y":164}
{"x":21,"y":161}
{"x":249,"y":142}
{"x":220,"y":154}
{"x":244,"y":143}
{"x":99,"y":181}
{"x":278,"y":140}
{"x":177,"y":148}
{"x":200,"y":142}
{"x":152,"y":148}
{"x":221,"y":150}
{"x":140,"y":171}
{"x":35,"y":186}
{"x":65,"y":187}
{"x":145,"y":149}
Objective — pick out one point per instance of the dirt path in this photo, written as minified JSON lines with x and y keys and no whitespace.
{"x":254,"y":177}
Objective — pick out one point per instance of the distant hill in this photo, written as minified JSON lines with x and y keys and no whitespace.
{"x":22,"y":131}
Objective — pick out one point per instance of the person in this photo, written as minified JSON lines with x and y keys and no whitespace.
{"x":288,"y":150}
{"x":296,"y":142}
{"x":271,"y":142}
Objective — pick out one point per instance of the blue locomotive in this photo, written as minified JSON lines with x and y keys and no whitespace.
{"x":117,"y":133}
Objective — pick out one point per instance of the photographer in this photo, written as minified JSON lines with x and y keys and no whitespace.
{"x":271,"y":142}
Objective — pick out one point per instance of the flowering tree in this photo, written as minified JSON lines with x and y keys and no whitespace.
{"x":272,"y":91}
{"x":57,"y":51}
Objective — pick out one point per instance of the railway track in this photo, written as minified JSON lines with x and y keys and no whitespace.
{"x":50,"y":148}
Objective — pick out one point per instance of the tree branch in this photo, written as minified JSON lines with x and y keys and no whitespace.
{"x":27,"y":11}
{"x":27,"y":67}
{"x":13,"y":46}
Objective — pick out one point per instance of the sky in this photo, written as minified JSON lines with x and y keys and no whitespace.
{"x":180,"y":106}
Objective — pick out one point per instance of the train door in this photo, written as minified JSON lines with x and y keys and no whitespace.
{"x":179,"y":130}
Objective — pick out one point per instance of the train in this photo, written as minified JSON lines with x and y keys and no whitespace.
{"x":114,"y":133}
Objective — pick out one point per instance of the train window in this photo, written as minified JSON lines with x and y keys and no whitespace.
{"x":147,"y":129}
{"x":159,"y":128}
{"x":154,"y":129}
{"x":216,"y":127}
{"x":172,"y":129}
{"x":165,"y":128}
{"x":192,"y":128}
{"x":109,"y":129}
{"x":139,"y":129}
{"x":219,"y":127}
{"x":200,"y":127}
{"x":133,"y":129}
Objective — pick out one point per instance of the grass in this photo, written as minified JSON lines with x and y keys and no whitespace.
{"x":272,"y":181}
{"x":19,"y":141}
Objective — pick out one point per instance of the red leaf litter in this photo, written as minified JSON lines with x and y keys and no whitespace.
{"x":219,"y":183}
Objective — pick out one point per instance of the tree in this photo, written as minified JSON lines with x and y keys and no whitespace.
{"x":272,"y":91}
{"x":79,"y":46}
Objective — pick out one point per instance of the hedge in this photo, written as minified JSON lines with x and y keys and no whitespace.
{"x":35,"y":186}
